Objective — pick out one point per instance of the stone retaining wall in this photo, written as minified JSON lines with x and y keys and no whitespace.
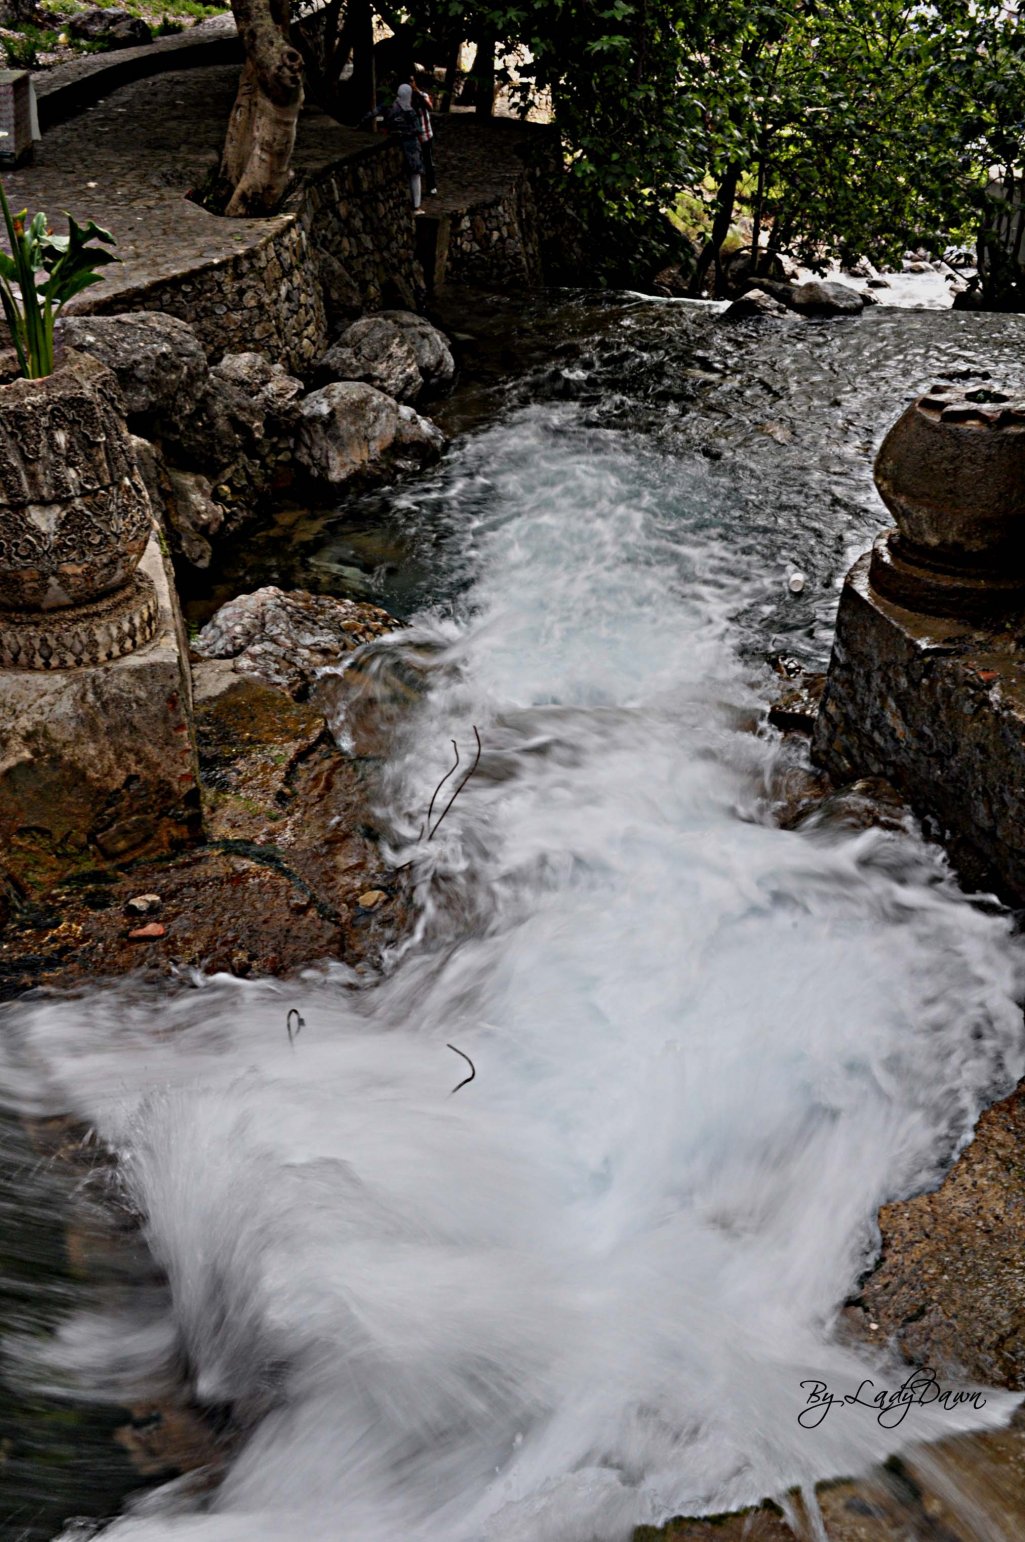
{"x":346,"y":238}
{"x":497,"y":241}
{"x":937,"y":707}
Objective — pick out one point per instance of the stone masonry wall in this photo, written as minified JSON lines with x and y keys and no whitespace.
{"x":346,"y":234}
{"x":497,"y":241}
{"x":937,"y":707}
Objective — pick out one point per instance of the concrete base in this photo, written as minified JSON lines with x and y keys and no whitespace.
{"x":98,"y":765}
{"x":937,"y":706}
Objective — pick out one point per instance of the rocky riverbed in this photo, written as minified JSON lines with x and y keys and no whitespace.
{"x":291,"y":869}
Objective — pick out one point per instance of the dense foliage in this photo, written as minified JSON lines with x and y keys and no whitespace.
{"x":853,"y":127}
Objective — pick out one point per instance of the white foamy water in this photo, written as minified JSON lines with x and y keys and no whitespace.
{"x":583,"y":1292}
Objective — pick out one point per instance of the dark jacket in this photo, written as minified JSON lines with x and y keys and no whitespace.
{"x":405,"y":127}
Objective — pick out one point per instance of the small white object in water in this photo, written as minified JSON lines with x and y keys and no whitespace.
{"x":796,"y":582}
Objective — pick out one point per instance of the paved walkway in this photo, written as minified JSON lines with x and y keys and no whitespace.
{"x":128,"y":162}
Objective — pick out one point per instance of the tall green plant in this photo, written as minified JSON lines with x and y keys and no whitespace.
{"x":67,"y":265}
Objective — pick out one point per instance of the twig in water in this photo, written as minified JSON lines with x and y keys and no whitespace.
{"x":430,"y":808}
{"x":459,"y":789}
{"x":469,"y":1062}
{"x":292,"y":1029}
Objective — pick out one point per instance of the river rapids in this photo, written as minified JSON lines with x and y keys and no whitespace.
{"x":585,"y":1290}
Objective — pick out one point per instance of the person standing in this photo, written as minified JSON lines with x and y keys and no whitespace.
{"x":403,"y":124}
{"x":423,"y":107}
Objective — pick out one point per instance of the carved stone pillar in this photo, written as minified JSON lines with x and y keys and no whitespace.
{"x":952,"y":473}
{"x":74,"y":523}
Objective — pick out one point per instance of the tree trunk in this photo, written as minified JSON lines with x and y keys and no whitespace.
{"x":725,"y":199}
{"x":261,"y":130}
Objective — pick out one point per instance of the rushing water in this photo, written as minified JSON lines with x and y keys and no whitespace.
{"x":582,"y":1292}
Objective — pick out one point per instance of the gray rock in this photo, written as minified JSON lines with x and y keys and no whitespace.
{"x":158,"y":360}
{"x":378,"y":353}
{"x":879,"y":283}
{"x":348,"y":429}
{"x":822,"y":298}
{"x":250,"y":379}
{"x":115,"y":28}
{"x":284,"y":639}
{"x":183,"y":501}
{"x":755,"y":303}
{"x":431,"y":347}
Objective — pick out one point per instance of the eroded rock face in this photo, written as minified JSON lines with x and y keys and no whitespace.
{"x":349,"y":429}
{"x":377,"y":352}
{"x":289,"y":854}
{"x":284,"y":639}
{"x":159,"y":363}
{"x":948,"y":1287}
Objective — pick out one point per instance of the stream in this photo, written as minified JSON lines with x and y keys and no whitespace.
{"x":582,"y":1292}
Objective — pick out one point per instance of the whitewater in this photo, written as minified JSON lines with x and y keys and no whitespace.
{"x":583,"y":1291}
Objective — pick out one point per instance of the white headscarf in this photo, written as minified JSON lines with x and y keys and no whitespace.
{"x":404,"y":97}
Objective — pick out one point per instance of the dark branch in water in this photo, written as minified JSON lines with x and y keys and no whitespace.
{"x":430,"y":809}
{"x":293,"y":1028}
{"x":459,"y":789}
{"x":469,"y":1062}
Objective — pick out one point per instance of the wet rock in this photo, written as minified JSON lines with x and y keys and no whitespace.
{"x":112,"y":28}
{"x":159,"y":363}
{"x":870,"y":803}
{"x":290,"y":846}
{"x":286,"y":639}
{"x":756,"y":302}
{"x":150,"y":932}
{"x":796,"y":706}
{"x":949,"y":1285}
{"x":375,"y":351}
{"x":433,"y":354}
{"x":820,"y":297}
{"x":879,"y":283}
{"x":350,"y":429}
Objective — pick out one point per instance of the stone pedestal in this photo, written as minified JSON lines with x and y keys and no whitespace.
{"x":98,"y":764}
{"x":936,"y":705}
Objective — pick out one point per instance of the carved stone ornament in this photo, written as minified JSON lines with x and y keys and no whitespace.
{"x":74,"y":523}
{"x":952,"y":472}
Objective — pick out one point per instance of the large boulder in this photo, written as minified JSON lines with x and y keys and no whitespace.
{"x":377,"y":352}
{"x":111,"y":27}
{"x":820,"y":297}
{"x":350,"y":429}
{"x":285,"y":640}
{"x":242,"y":431}
{"x":158,"y":360}
{"x":433,"y":355}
